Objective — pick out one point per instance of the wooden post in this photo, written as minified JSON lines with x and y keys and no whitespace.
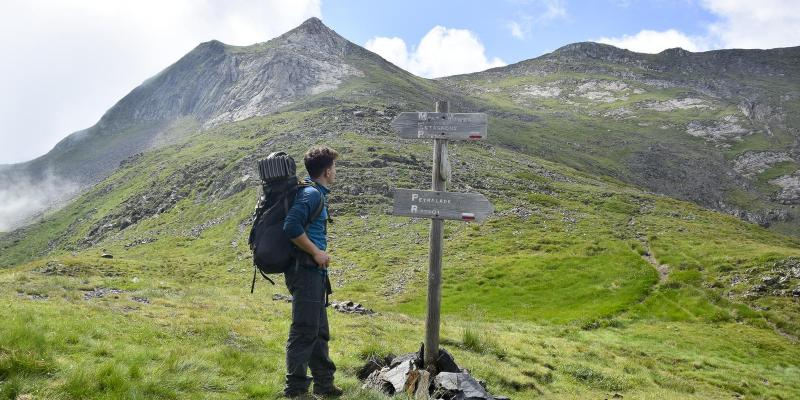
{"x":435,"y":255}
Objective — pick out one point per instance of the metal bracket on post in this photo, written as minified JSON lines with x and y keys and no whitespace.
{"x":445,"y":171}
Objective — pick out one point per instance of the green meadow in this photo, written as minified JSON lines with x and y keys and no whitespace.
{"x":579,"y":286}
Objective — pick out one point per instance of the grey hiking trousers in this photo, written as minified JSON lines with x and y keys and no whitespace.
{"x":307,"y":346}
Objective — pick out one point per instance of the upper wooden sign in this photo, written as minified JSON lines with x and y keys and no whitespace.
{"x":433,"y":125}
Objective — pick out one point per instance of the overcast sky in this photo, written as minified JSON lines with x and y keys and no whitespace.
{"x":65,"y":62}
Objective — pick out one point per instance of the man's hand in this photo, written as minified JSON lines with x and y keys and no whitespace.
{"x":322,"y":259}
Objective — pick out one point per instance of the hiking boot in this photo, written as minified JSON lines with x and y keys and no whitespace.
{"x":328,"y":391}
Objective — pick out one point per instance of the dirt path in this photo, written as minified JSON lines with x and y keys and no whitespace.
{"x":663,"y":269}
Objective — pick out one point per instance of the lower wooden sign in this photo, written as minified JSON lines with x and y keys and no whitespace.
{"x":441,"y":205}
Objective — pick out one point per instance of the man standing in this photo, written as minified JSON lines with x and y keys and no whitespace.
{"x":307,"y":280}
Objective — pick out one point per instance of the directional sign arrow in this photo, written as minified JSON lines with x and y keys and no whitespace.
{"x":433,"y":125}
{"x":441,"y":205}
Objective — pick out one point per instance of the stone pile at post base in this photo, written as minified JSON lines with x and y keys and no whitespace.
{"x":406,"y":374}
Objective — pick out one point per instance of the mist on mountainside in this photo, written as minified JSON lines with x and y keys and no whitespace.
{"x":22,"y":198}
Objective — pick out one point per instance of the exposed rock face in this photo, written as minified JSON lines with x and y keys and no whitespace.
{"x":722,"y":130}
{"x":753,"y":163}
{"x":790,"y":188}
{"x":220,"y":83}
{"x":676,"y":104}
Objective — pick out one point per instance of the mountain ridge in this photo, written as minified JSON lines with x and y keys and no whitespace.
{"x":218,"y":83}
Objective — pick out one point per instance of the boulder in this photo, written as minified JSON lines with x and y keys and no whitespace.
{"x":398,"y":375}
{"x":422,"y":391}
{"x":375,"y":381}
{"x":372,"y":365}
{"x":460,"y":386}
{"x":446,"y":362}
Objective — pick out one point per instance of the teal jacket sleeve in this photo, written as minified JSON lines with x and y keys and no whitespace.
{"x":306,"y":201}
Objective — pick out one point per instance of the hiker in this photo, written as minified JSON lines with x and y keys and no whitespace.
{"x":307,"y":280}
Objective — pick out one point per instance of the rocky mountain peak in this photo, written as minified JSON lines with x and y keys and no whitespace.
{"x":314,"y":26}
{"x":675,"y":52}
{"x":313,"y":35}
{"x":592,"y":50}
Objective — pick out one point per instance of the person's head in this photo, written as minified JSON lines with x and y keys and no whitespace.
{"x":320,"y":163}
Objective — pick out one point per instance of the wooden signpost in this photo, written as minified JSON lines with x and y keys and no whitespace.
{"x":440,"y":125}
{"x":439,"y":204}
{"x":442,"y":205}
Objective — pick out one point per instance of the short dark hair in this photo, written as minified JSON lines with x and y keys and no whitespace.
{"x":318,"y":158}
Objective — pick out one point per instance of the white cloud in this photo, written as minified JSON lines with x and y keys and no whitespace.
{"x":393,"y":49}
{"x":647,"y":41}
{"x":441,"y":52}
{"x":548,"y":11}
{"x":516,"y":29}
{"x":755,"y":24}
{"x":554,"y":9}
{"x":65,"y":63}
{"x":748,"y":24}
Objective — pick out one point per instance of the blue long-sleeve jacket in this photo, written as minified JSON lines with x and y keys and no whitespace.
{"x":305,"y":203}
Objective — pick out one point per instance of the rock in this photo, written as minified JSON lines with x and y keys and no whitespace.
{"x":106,"y":255}
{"x":280,"y":297}
{"x":459,"y":386}
{"x":405,"y":375}
{"x":446,"y":363}
{"x":413,"y":357}
{"x":34,"y":296}
{"x":676,"y":104}
{"x":790,"y":188}
{"x":769,"y":280}
{"x":422,"y":391}
{"x":410,"y":387}
{"x":100,"y":292}
{"x":359,"y":113}
{"x":796,"y":292}
{"x":446,"y":381}
{"x":725,"y":129}
{"x":53,"y":268}
{"x":375,"y":381}
{"x":398,"y":375}
{"x":143,"y":300}
{"x":752,"y":163}
{"x":372,"y":365}
{"x":350,"y":307}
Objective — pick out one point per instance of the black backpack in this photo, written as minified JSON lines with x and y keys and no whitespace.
{"x":273,"y":252}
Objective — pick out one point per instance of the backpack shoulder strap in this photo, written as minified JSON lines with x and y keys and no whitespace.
{"x":320,"y":206}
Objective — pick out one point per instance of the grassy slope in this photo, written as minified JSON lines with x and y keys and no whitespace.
{"x":550,"y":296}
{"x":581,"y":133}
